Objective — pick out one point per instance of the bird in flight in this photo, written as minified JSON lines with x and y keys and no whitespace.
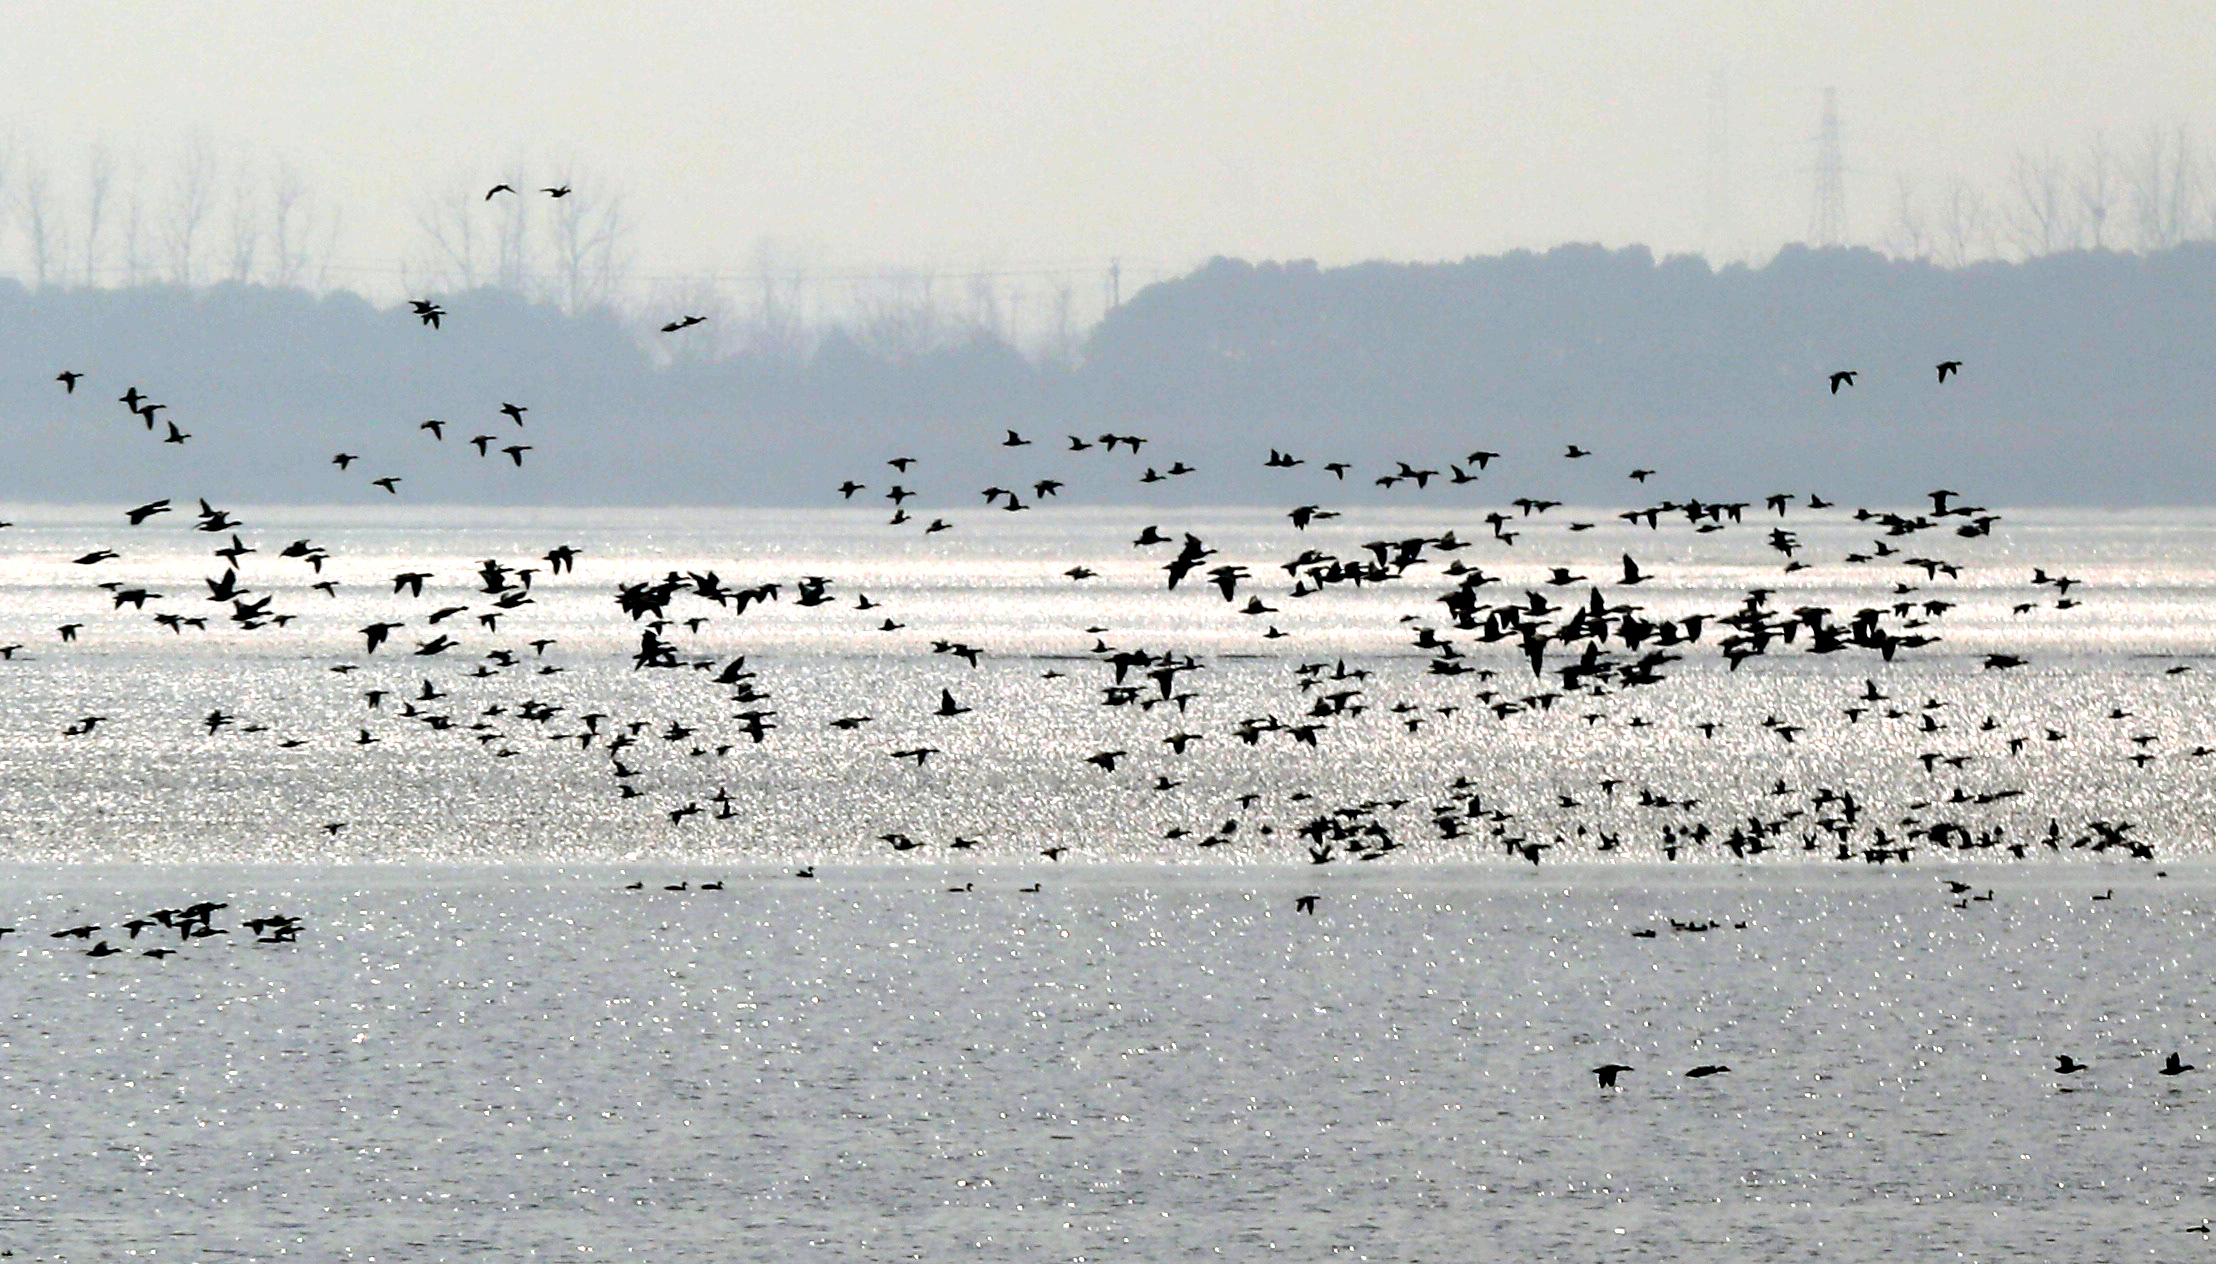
{"x":514,"y":412}
{"x":1948,"y":368}
{"x":498,"y":188}
{"x":559,"y":192}
{"x":1608,"y":1071}
{"x":1844,"y":377}
{"x":436,"y":427}
{"x":68,"y":378}
{"x":389,"y":483}
{"x":427,"y":311}
{"x":686,"y":322}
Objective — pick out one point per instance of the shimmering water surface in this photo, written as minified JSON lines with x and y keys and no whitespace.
{"x":485,"y":1046}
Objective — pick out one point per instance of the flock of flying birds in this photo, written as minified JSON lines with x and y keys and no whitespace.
{"x":1504,"y":650}
{"x":1508,"y":651}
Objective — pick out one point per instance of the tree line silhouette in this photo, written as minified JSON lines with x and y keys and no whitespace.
{"x":2087,"y":380}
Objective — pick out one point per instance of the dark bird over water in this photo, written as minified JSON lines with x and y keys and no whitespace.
{"x":1608,"y":1071}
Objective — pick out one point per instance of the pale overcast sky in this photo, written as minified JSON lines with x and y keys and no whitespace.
{"x":1055,"y":133}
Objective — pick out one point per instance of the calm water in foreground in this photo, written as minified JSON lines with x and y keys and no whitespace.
{"x":1133,"y":1063}
{"x":484,"y":1045}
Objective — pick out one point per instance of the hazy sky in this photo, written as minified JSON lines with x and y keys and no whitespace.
{"x":1055,"y":134}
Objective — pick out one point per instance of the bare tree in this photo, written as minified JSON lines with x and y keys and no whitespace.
{"x":1965,"y":225}
{"x":2164,"y":188}
{"x":7,"y":170}
{"x":191,"y":197}
{"x":246,"y":222}
{"x":777,"y":328}
{"x":1910,"y":237}
{"x":898,"y":317}
{"x":449,"y":220}
{"x":41,"y":227}
{"x":514,"y":252}
{"x":291,"y":217}
{"x":2096,"y":189}
{"x":590,"y":237}
{"x":2042,"y":215}
{"x":984,"y":305}
{"x":135,"y":265}
{"x":334,"y":227}
{"x":99,"y":175}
